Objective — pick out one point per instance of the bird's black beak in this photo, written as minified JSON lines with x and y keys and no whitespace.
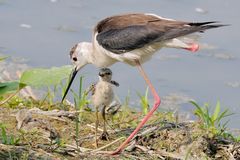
{"x":73,"y":74}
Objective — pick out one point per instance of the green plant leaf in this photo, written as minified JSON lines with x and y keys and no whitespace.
{"x":3,"y":58}
{"x":212,"y":122}
{"x":144,"y":101}
{"x":3,"y":134}
{"x":199,"y":112}
{"x":223,"y":115}
{"x":216,"y":112}
{"x":208,"y":116}
{"x":203,"y":113}
{"x":9,"y":87}
{"x":40,"y":77}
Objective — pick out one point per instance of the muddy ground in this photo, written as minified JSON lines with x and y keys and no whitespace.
{"x":52,"y":134}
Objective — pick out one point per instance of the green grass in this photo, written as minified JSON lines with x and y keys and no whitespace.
{"x":80,"y":101}
{"x":213,"y":122}
{"x":6,"y":138}
{"x":144,"y":102}
{"x":212,"y":118}
{"x":3,"y":58}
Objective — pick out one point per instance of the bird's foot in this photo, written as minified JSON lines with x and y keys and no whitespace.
{"x":104,"y":136}
{"x":193,"y":47}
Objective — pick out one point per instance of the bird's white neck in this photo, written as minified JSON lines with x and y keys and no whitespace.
{"x":86,"y":48}
{"x":95,"y":56}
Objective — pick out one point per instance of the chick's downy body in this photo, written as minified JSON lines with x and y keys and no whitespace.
{"x":103,"y":95}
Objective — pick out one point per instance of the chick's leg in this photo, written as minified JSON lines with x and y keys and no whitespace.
{"x":96,"y":128}
{"x":104,"y":135}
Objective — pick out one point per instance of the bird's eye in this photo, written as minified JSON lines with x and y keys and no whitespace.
{"x":108,"y":73}
{"x":75,"y":59}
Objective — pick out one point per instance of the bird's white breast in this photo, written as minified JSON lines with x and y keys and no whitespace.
{"x":101,"y":57}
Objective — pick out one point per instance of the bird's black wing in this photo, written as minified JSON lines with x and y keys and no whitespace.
{"x":121,"y":40}
{"x":127,"y":38}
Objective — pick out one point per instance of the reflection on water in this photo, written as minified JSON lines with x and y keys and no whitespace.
{"x":43,"y":31}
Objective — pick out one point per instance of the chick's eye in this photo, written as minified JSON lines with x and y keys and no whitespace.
{"x":75,"y":59}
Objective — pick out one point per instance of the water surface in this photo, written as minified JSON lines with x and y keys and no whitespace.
{"x":43,"y":31}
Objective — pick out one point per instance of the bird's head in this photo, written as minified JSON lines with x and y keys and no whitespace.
{"x":79,"y":57}
{"x":105,"y":74}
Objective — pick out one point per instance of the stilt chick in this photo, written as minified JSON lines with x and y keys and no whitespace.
{"x":102,"y":96}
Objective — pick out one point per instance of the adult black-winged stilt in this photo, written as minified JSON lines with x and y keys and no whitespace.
{"x":133,"y":39}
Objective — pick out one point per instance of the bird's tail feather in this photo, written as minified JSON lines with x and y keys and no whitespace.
{"x":189,"y":29}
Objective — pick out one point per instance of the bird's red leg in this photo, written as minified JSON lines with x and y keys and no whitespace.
{"x":157,"y":102}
